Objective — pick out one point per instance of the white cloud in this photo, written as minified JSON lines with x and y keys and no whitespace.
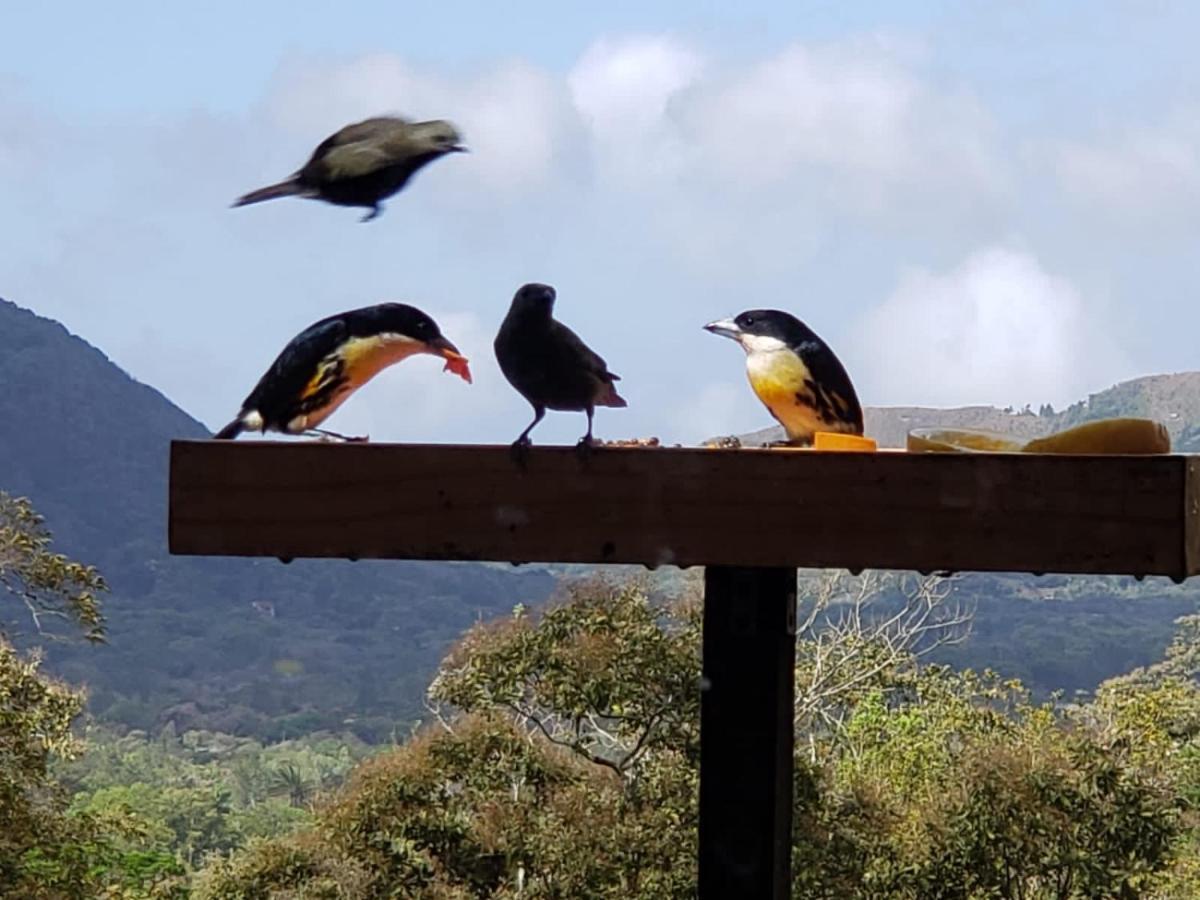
{"x":621,"y":90}
{"x":619,"y":85}
{"x":996,"y":329}
{"x":658,"y":183}
{"x":854,"y":111}
{"x":511,"y":114}
{"x":848,"y":125}
{"x":1134,"y":175}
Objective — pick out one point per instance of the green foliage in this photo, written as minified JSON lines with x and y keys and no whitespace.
{"x":933,"y":784}
{"x":48,"y":850}
{"x":255,"y":648}
{"x":605,"y":672}
{"x":35,"y":721}
{"x":958,"y":786}
{"x":50,"y":585}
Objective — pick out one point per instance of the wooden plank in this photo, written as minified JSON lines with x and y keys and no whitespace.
{"x":984,"y":512}
{"x":746,"y":733}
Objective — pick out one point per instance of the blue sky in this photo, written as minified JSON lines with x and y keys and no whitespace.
{"x":972,"y":202}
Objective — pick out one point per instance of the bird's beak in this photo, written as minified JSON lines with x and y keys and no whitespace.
{"x":455,"y":361}
{"x":459,"y":148}
{"x":442,"y":347}
{"x":725,"y":328}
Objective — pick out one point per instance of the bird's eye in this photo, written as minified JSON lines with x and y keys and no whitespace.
{"x":748,"y":320}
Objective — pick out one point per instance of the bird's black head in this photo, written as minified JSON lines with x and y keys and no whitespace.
{"x":763,"y":329}
{"x":534,"y":300}
{"x":400,"y":318}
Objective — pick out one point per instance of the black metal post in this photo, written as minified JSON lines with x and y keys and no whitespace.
{"x":746,"y":733}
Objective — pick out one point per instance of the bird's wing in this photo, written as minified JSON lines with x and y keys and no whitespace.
{"x":574,"y":348}
{"x":353,"y":160}
{"x":830,"y":377}
{"x":357,"y":149}
{"x":303,"y":369}
{"x":368,"y":129}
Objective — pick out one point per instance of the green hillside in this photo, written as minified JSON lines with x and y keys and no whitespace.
{"x":1055,"y":632}
{"x":257,"y":648}
{"x":244,"y":646}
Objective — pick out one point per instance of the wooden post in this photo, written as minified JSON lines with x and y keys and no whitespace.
{"x":746,"y":733}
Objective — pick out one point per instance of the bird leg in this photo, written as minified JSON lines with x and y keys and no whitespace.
{"x":520,"y":447}
{"x":376,"y":209}
{"x":584,"y":447}
{"x":333,"y":435}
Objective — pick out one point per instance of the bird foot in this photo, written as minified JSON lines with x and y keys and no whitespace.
{"x":374,"y":213}
{"x":519,"y":451}
{"x":584,"y":448}
{"x":728,"y":442}
{"x":332,"y":437}
{"x":769,"y":444}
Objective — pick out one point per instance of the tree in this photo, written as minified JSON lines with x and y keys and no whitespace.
{"x":562,"y":763}
{"x":46,"y":851}
{"x":604,"y":671}
{"x":50,"y":585}
{"x":859,"y":633}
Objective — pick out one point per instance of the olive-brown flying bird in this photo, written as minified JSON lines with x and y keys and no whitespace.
{"x":365,"y":163}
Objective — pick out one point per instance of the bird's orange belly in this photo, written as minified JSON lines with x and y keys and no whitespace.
{"x":783,"y":387}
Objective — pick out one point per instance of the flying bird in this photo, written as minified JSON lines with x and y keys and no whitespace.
{"x":331,"y":359}
{"x":548,"y":364}
{"x":365,"y":163}
{"x":794,"y":373}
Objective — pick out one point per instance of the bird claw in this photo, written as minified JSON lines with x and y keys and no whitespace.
{"x":332,"y":437}
{"x":728,"y":442}
{"x":584,"y":448}
{"x":374,"y":213}
{"x":519,"y":451}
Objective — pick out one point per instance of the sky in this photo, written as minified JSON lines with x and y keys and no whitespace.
{"x":970,"y":202}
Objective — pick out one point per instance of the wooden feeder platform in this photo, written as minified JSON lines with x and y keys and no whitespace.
{"x":751,"y":517}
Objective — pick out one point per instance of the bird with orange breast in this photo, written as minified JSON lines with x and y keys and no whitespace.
{"x":794,"y":373}
{"x":328,"y":361}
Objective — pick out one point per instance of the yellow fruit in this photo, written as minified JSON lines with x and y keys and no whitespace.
{"x":960,"y":440}
{"x":1106,"y":436}
{"x":830,"y":440}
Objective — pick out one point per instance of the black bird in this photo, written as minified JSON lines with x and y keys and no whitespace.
{"x":365,"y":163}
{"x":331,"y":359}
{"x":794,"y":373}
{"x":548,"y":364}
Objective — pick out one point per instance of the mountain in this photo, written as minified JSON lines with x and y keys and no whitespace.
{"x":1056,"y":632}
{"x":236,"y":645}
{"x":258,"y":648}
{"x":1173,"y":400}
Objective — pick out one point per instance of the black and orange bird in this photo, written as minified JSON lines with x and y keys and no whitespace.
{"x":794,"y":373}
{"x":365,"y":163}
{"x":548,"y":364}
{"x":331,"y":359}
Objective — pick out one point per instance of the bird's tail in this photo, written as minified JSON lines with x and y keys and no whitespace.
{"x":230,"y":431}
{"x":287,"y":188}
{"x":606,"y":393}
